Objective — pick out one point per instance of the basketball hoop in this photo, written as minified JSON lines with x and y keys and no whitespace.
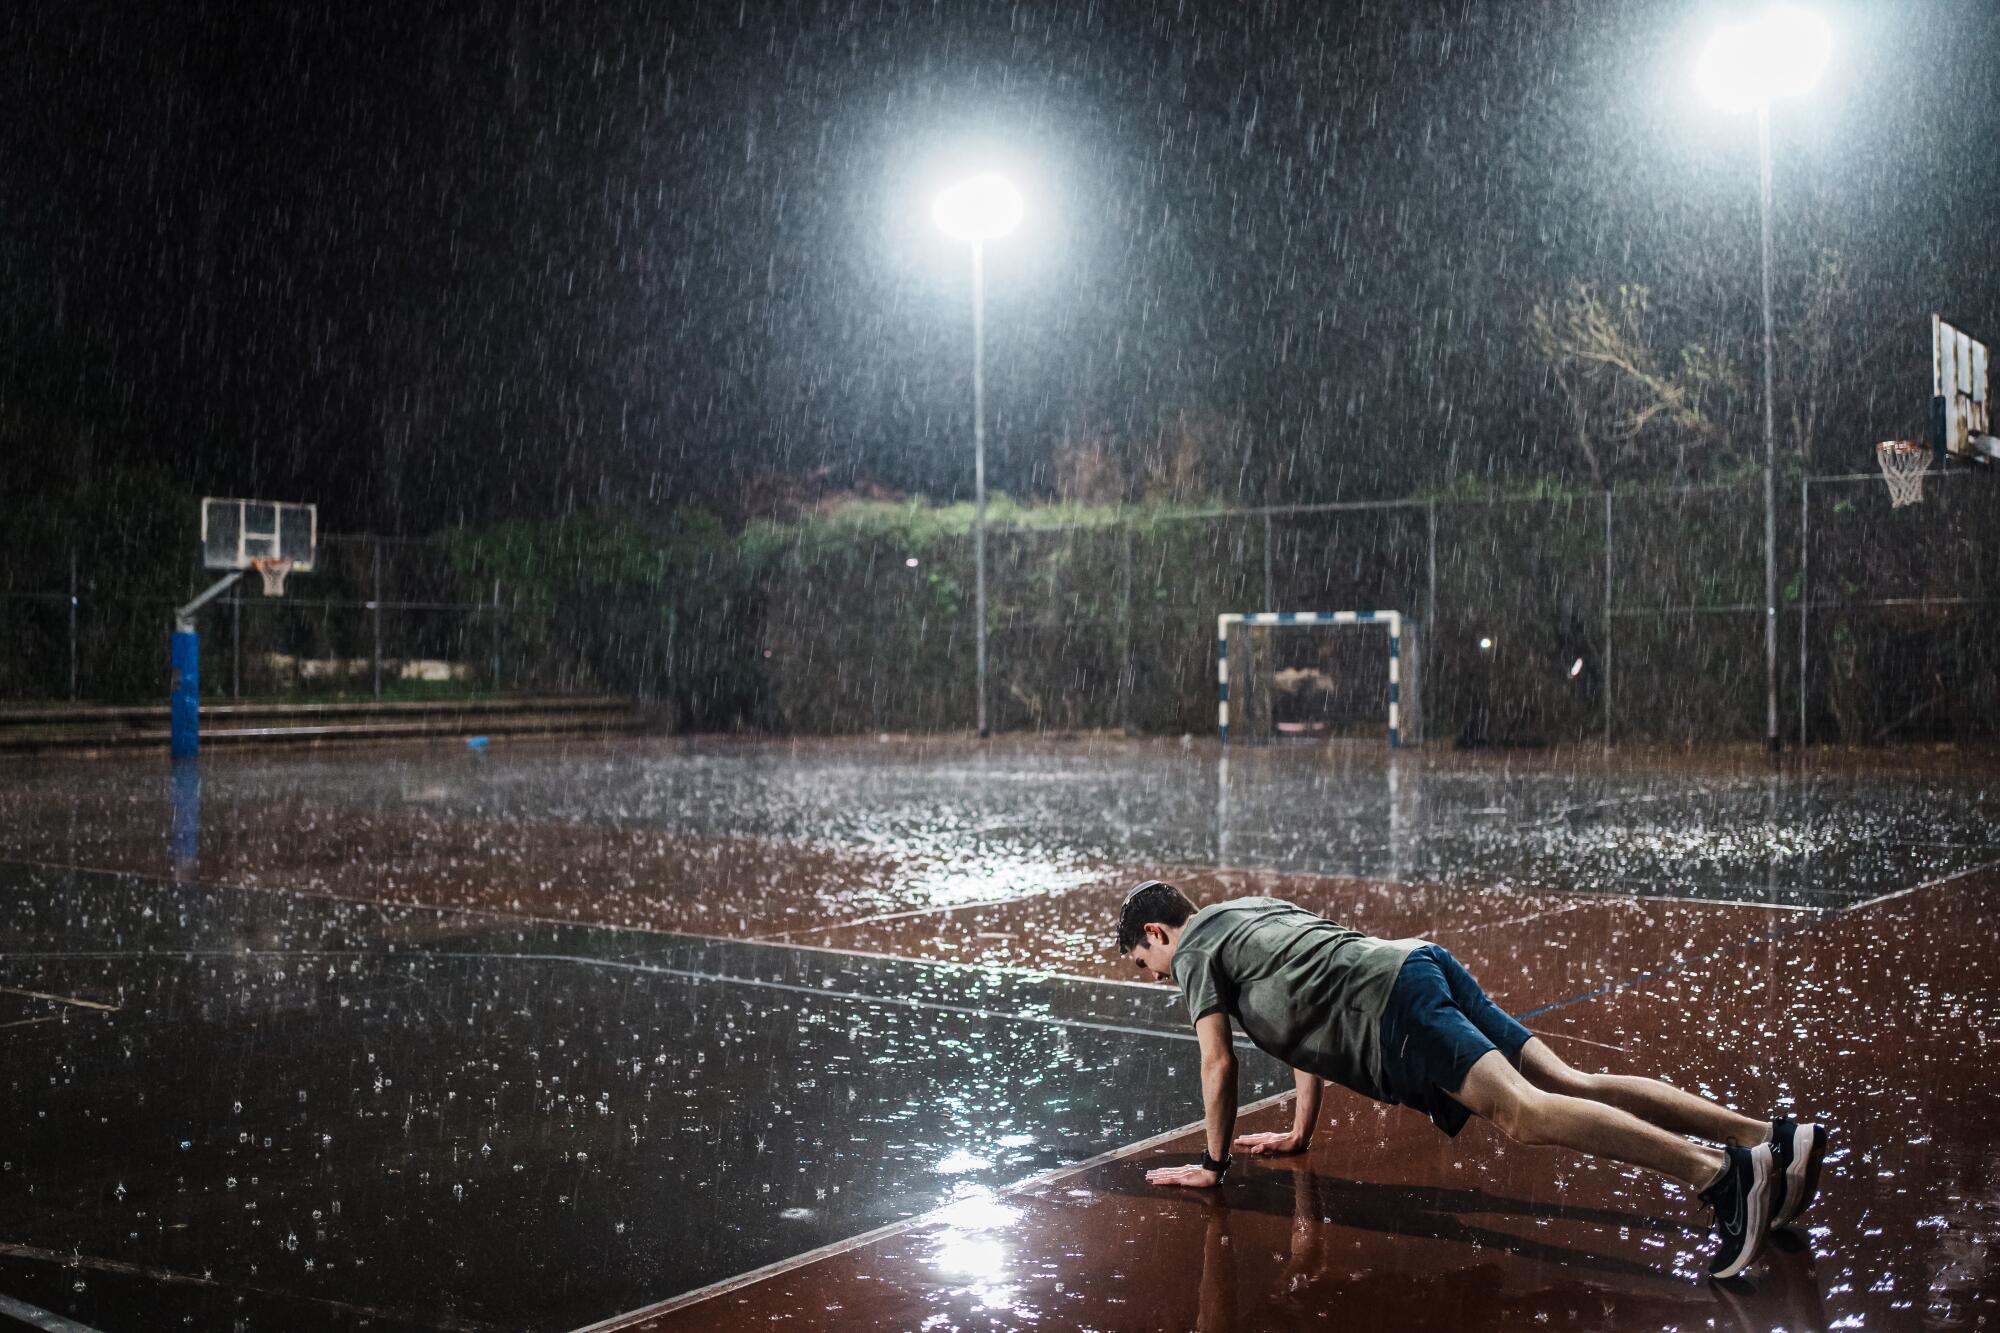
{"x":273,"y":571}
{"x":1904,"y":463}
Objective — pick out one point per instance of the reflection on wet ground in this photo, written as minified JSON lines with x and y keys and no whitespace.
{"x":906,"y":826}
{"x":526,"y":1037}
{"x":490,"y":1125}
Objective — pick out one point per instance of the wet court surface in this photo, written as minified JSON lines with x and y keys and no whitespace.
{"x":549,"y":1035}
{"x":495,"y":1126}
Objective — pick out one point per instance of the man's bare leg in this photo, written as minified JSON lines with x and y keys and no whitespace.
{"x":1649,"y":1099}
{"x":1526,"y":1114}
{"x":1740,"y":1184}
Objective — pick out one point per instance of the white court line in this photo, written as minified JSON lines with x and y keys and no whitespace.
{"x":1519,"y":920}
{"x":35,"y":1317}
{"x":647,"y":969}
{"x":1927,"y":884}
{"x":1583,"y":898}
{"x":60,"y":999}
{"x":1010,"y":969}
{"x":1428,"y":886}
{"x":1053,"y":1176}
{"x":1688,"y":901}
{"x":1614,"y":895}
{"x":573,"y":923}
{"x":862,"y":997}
{"x":74,"y":1259}
{"x":784,"y":936}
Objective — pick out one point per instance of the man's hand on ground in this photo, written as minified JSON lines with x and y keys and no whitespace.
{"x":1195,"y":1177}
{"x":1271,"y":1145}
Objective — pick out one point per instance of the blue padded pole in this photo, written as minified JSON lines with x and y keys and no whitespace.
{"x":186,"y":702}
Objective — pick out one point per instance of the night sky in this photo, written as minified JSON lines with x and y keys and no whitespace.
{"x":437,"y":263}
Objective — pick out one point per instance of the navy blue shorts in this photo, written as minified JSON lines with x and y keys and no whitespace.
{"x":1436,"y":1027}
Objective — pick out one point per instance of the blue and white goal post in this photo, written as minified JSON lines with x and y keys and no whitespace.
{"x":1392,"y":621}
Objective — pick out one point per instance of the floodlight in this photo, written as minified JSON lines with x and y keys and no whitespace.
{"x":982,"y":208}
{"x":1780,"y":53}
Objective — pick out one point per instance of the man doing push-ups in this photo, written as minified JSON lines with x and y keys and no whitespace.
{"x":1402,"y":1022}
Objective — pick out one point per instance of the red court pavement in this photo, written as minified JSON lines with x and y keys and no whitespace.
{"x":1878,"y":1020}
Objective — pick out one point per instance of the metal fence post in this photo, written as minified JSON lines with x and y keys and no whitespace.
{"x":1805,"y":593}
{"x":1270,"y":593}
{"x":1609,"y":550}
{"x":235,"y":645}
{"x":72,"y":625}
{"x":496,"y":636}
{"x":1125,"y":681}
{"x":1243,"y":691}
{"x":376,"y":607}
{"x":1429,"y":638}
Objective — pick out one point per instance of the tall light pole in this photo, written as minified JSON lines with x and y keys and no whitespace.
{"x":978,"y":210}
{"x":1746,"y":67}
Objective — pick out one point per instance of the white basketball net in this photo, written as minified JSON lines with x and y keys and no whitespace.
{"x":1903,"y":467}
{"x":273,"y":572}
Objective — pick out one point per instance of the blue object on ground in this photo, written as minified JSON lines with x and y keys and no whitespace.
{"x":475,"y":742}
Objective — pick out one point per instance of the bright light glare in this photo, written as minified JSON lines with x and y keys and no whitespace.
{"x":983,"y":208}
{"x":1780,"y":53}
{"x":1486,"y":645}
{"x":973,"y":1242}
{"x":1576,"y":668}
{"x":958,"y":1160}
{"x":911,"y":562}
{"x":977,"y":1209}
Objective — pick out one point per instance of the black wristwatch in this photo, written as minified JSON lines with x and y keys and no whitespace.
{"x":1208,"y":1163}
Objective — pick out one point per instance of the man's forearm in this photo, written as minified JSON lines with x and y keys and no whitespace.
{"x":1218,"y":1096}
{"x":1305,"y":1112}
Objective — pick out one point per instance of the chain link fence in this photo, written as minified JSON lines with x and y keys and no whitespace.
{"x":1559,"y":619}
{"x":1900,"y":627}
{"x":1606,"y":616}
{"x":378,"y":617}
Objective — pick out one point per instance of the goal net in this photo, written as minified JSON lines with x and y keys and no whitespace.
{"x":1307,"y":676}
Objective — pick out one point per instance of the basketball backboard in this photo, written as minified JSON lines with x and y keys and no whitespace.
{"x":1960,"y":425}
{"x":235,"y":534}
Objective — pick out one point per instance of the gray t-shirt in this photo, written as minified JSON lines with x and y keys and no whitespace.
{"x":1303,"y":988}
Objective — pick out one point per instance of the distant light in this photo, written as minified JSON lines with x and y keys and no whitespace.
{"x":1780,"y":53}
{"x":911,"y":562}
{"x":1576,"y":668}
{"x":983,"y":208}
{"x":1486,"y":645}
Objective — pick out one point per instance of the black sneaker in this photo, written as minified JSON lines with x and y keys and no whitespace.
{"x":1796,"y":1153}
{"x":1742,"y":1204}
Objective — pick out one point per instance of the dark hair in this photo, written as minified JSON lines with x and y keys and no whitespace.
{"x":1151,"y":902}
